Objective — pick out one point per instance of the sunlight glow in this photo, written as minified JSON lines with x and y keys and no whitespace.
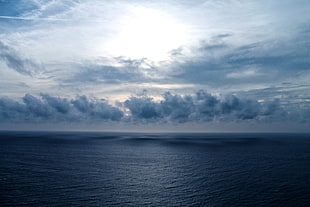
{"x":147,"y":33}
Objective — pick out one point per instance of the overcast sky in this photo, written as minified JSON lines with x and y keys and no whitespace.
{"x":173,"y":65}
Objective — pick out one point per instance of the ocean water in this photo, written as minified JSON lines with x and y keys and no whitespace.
{"x":128,"y":169}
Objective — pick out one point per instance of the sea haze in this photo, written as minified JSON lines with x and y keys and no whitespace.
{"x":135,"y":169}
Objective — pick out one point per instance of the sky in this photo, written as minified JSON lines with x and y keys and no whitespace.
{"x":165,"y":65}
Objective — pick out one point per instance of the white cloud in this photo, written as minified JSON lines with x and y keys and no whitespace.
{"x":246,"y":73}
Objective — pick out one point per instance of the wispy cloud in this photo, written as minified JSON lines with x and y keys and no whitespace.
{"x":16,"y":62}
{"x":31,"y":18}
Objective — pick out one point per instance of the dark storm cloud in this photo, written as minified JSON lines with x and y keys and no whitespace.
{"x":54,"y":109}
{"x":16,"y":62}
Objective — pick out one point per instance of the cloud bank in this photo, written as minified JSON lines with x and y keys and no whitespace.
{"x":202,"y":107}
{"x":173,"y":108}
{"x":51,"y":109}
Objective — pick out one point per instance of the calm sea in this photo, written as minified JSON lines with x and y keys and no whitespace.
{"x":128,"y":169}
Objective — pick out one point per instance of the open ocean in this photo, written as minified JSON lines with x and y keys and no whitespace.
{"x":135,"y":169}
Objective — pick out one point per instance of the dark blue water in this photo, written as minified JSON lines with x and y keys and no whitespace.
{"x":119,"y":169}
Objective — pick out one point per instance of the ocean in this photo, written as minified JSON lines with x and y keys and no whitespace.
{"x":154,"y":169}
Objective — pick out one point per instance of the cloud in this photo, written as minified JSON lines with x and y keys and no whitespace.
{"x":16,"y":62}
{"x":29,"y":18}
{"x":203,"y":107}
{"x":96,"y":109}
{"x":120,"y":70}
{"x":200,"y":107}
{"x":219,"y":62}
{"x":143,"y":108}
{"x":248,"y":73}
{"x":47,"y":108}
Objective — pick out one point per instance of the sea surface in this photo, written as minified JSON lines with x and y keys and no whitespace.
{"x":136,"y":169}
